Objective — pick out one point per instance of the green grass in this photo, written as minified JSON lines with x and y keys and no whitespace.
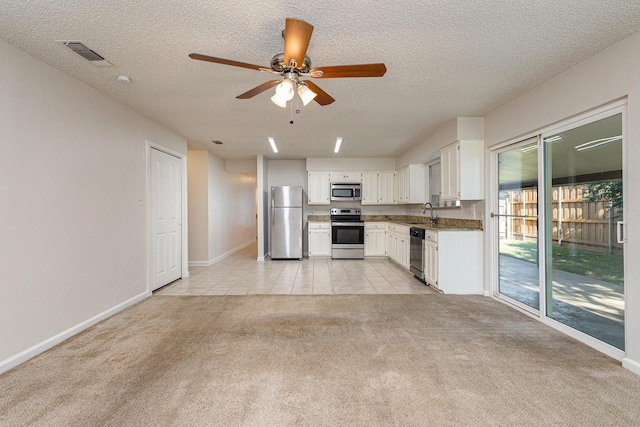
{"x":609,"y":268}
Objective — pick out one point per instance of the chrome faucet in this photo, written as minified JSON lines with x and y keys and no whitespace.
{"x":432,"y":219}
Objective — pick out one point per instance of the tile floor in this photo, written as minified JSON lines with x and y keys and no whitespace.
{"x":241,"y":274}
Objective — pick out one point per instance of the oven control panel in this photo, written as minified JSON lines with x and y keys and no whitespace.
{"x":345,"y":211}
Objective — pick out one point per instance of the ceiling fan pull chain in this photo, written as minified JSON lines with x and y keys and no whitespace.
{"x":291,"y":111}
{"x":297,"y":102}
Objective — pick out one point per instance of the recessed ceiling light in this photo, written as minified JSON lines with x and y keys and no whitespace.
{"x":123,"y":79}
{"x":272,"y":141}
{"x":338,"y":143}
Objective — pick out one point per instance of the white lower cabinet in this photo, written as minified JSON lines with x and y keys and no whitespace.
{"x":430,"y":263}
{"x":399,"y":244}
{"x":375,"y":234}
{"x":404,"y":247}
{"x":453,"y":261}
{"x":319,"y":239}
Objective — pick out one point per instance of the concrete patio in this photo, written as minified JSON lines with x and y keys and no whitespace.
{"x":586,"y":304}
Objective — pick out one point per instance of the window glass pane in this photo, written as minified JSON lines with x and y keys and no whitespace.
{"x":518,"y":224}
{"x":584,"y":265}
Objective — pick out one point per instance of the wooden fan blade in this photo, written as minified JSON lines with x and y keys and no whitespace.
{"x":258,"y":89}
{"x":296,"y":40}
{"x":225,"y":61}
{"x":322,"y":97}
{"x":364,"y":70}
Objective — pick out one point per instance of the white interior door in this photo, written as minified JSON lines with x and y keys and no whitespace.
{"x":166,"y":214}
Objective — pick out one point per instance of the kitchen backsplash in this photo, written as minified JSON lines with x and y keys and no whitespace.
{"x":448,"y":223}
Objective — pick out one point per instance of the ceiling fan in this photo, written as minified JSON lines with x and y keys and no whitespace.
{"x":292,"y":64}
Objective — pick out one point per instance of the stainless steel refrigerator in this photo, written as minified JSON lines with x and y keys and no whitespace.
{"x":286,"y":222}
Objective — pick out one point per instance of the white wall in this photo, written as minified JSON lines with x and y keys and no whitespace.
{"x":73,"y":240}
{"x":240,"y":166}
{"x":262,"y":166}
{"x":198,"y":190}
{"x":460,"y":128}
{"x":287,"y":172}
{"x":218,"y":214}
{"x":608,"y":76}
{"x":350,"y":164}
{"x":222,"y":205}
{"x":241,"y":212}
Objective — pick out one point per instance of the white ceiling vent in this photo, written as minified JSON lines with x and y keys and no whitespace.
{"x":88,"y":54}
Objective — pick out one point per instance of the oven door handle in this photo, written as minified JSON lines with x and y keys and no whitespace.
{"x":347,"y":224}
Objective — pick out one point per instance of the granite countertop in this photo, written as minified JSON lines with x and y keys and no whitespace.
{"x":443,"y":224}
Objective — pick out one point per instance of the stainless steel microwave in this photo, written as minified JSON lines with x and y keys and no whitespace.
{"x":346,"y":192}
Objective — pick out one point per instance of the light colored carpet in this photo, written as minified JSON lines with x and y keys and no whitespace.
{"x":348,"y":360}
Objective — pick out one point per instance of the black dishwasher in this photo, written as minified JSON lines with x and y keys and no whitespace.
{"x":416,"y":252}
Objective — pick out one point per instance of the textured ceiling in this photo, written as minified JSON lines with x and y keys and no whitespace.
{"x":445,"y":59}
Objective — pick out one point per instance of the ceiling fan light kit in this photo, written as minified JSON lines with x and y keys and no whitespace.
{"x":279,"y":101}
{"x":306,"y":94}
{"x":292,"y":64}
{"x":285,"y":90}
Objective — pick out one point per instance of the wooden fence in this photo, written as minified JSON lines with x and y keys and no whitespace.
{"x":585,"y":225}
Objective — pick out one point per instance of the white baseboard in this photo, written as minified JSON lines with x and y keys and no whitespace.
{"x":219,"y":258}
{"x":199,"y":264}
{"x":45,"y":345}
{"x":631,"y":365}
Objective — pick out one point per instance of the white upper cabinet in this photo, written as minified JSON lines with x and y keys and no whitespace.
{"x":346,"y":177}
{"x":369,"y":188}
{"x":462,"y":169}
{"x":318,"y":189}
{"x":410,"y":184}
{"x":449,"y":165}
{"x":386,"y":188}
{"x":378,"y":188}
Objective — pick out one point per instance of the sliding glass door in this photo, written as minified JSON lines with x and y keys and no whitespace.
{"x":558,"y":229}
{"x":517,"y":219}
{"x":584,"y":207}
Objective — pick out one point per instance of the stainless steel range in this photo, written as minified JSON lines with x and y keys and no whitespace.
{"x":347,"y":234}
